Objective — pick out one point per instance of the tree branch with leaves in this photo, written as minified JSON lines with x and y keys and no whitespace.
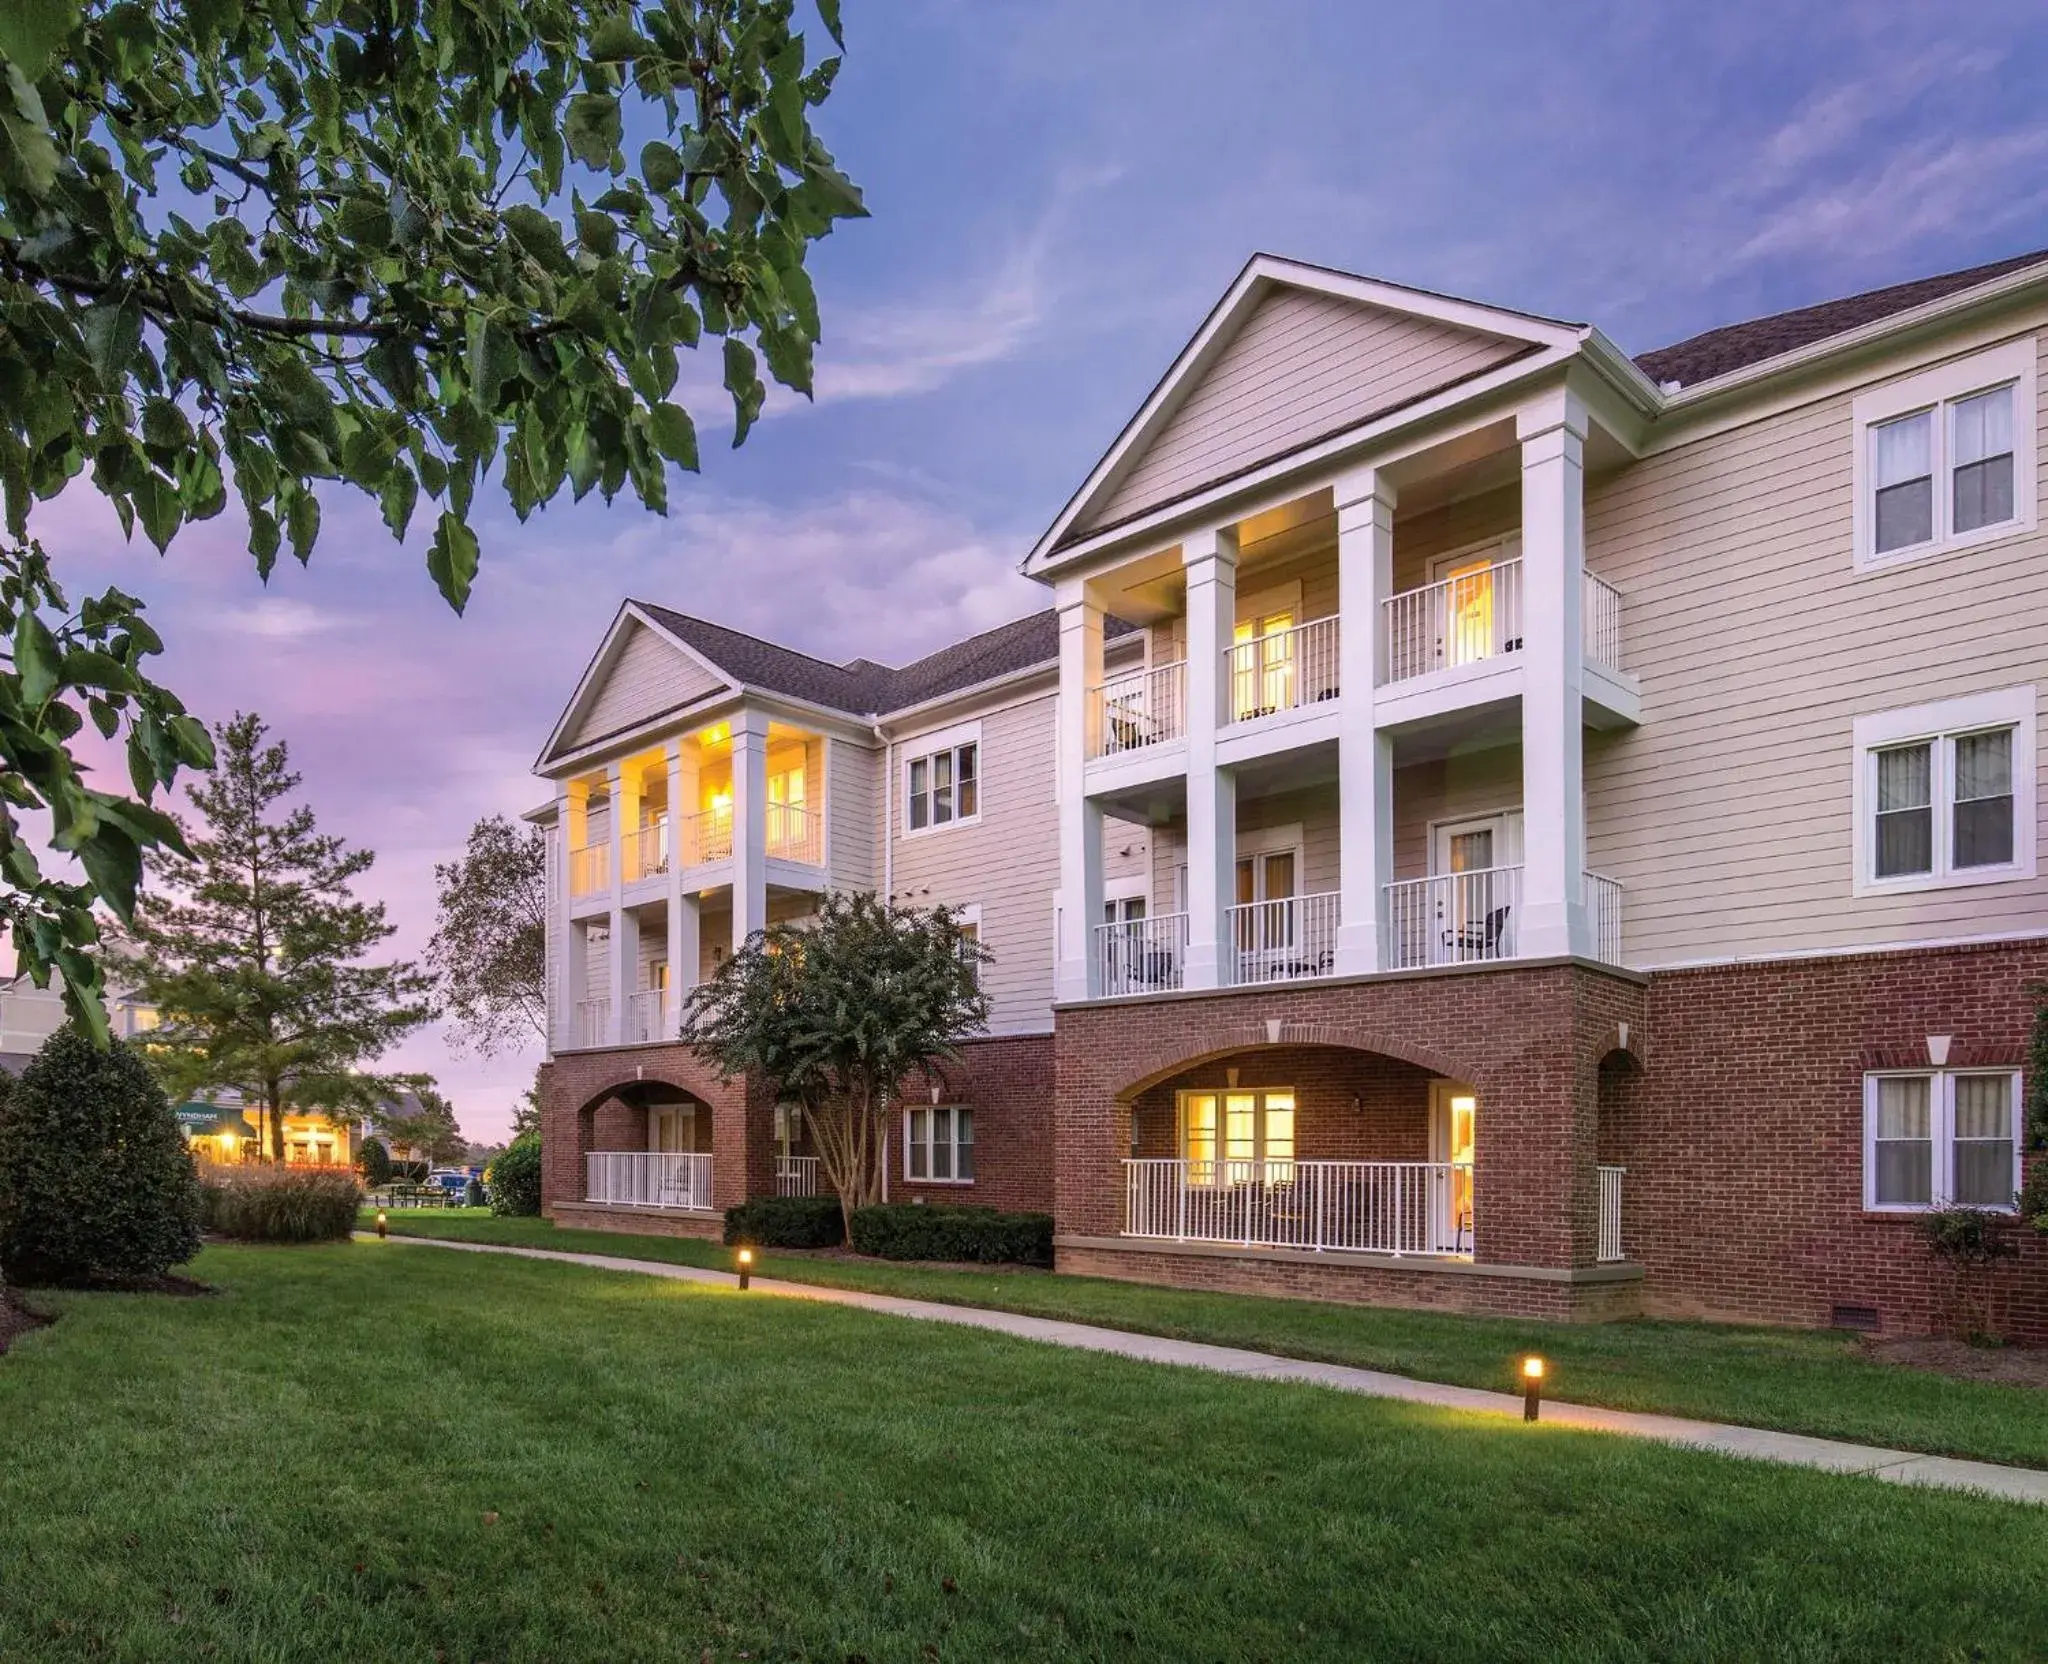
{"x":488,"y":954}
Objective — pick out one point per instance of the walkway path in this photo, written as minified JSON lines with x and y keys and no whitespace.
{"x":1900,"y":1466}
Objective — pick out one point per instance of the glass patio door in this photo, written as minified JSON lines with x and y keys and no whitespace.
{"x":1453,"y":1118}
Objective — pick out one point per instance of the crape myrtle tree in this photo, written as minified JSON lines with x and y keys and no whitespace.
{"x":253,"y":949}
{"x":488,"y":954}
{"x":279,"y":248}
{"x":840,"y":1012}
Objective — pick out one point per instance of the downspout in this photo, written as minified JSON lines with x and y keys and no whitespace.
{"x":888,"y":886}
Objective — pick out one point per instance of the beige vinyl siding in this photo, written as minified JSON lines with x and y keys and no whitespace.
{"x":1301,"y":366}
{"x":1728,"y":814}
{"x":1423,"y":538}
{"x":1007,"y":862}
{"x":853,"y":775}
{"x":647,"y":676}
{"x":1463,"y":786}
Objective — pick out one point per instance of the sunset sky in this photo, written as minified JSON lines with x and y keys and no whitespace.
{"x":1060,"y":189}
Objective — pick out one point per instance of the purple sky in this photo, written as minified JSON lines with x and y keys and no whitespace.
{"x":1060,"y":190}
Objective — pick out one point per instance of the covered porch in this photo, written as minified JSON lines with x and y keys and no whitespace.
{"x":650,"y":1147}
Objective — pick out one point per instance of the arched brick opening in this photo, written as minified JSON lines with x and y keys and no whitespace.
{"x":616,"y":1118}
{"x":1289,"y":1037}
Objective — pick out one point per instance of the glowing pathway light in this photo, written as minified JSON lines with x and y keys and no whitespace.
{"x":1532,"y":1387}
{"x":746,"y":1259}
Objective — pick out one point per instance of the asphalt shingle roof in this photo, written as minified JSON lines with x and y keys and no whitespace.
{"x":1716,"y":352}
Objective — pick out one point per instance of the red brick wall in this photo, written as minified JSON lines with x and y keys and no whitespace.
{"x":1744,"y":1137}
{"x":1390,"y":1122}
{"x":1008,"y":1082}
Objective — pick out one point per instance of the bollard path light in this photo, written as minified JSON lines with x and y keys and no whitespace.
{"x":1532,"y":1387}
{"x":383,"y":1223}
{"x":746,"y":1259}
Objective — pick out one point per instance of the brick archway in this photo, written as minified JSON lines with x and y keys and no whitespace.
{"x":1173,"y":1059}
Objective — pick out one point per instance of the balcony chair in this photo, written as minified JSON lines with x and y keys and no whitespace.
{"x":1478,"y":941}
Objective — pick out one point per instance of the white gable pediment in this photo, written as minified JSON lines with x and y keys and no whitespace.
{"x":639,"y":673}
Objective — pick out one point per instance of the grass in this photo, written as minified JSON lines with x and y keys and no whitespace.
{"x":1795,"y":1380}
{"x":372,"y":1451}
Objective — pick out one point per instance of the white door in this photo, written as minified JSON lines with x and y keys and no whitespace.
{"x":1453,"y":1119}
{"x":1472,"y":901}
{"x":1472,"y":618}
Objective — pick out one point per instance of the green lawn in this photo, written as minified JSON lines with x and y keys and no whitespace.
{"x":374,"y":1451}
{"x":1798,"y":1380}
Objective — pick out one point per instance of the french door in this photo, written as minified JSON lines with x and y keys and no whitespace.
{"x":1453,"y":1125}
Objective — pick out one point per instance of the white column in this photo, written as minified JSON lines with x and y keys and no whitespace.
{"x":749,"y":824}
{"x":1365,"y":756}
{"x":1553,"y":437}
{"x":572,"y":827}
{"x":1210,"y":559}
{"x":1080,"y":822}
{"x":682,"y":904}
{"x":619,"y":962}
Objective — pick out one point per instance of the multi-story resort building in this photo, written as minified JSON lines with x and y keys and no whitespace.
{"x":1485,"y":822}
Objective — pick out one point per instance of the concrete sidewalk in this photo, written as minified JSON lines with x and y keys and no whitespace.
{"x":1899,"y":1466}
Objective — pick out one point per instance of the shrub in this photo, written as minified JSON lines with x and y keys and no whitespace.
{"x":95,"y":1177}
{"x":280,"y":1204}
{"x":786,"y":1222}
{"x":515,"y":1178}
{"x":1971,"y":1242}
{"x":375,"y":1161}
{"x":900,"y":1232}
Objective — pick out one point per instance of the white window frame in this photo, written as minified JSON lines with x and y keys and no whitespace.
{"x":922,"y":749}
{"x":952,"y":1112}
{"x":2012,"y":364}
{"x":1135,"y":886}
{"x":1941,"y":1131}
{"x":1939,"y":724}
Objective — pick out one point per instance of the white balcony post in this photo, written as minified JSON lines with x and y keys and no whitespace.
{"x":571,"y":827}
{"x":1365,"y":757}
{"x":1080,"y":908}
{"x":1552,"y":432}
{"x":682,"y":904}
{"x":619,"y":959}
{"x":749,"y":824}
{"x":1210,"y":559}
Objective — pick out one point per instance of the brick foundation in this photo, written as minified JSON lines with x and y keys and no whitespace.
{"x":581,"y":1216}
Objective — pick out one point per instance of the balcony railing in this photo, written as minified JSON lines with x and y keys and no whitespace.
{"x":796,"y":1176}
{"x":590,"y":869}
{"x":1282,"y":671}
{"x":1141,"y":956}
{"x":644,"y":850}
{"x":649,"y":1179}
{"x":710,"y":837}
{"x":593,"y":1023}
{"x":1284,"y":940}
{"x":1459,"y":918}
{"x":644,"y":1017}
{"x":795,"y":833}
{"x":1452,"y":622}
{"x":1603,"y":911}
{"x":1147,"y":707}
{"x":1601,"y":623}
{"x":1375,"y":1207}
{"x":1610,"y":1213}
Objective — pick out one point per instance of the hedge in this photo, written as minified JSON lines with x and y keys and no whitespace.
{"x":515,"y":1178}
{"x":900,"y":1232}
{"x":279,"y":1204}
{"x":786,"y":1222}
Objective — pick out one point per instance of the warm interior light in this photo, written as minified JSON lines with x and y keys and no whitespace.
{"x":1532,"y":1369}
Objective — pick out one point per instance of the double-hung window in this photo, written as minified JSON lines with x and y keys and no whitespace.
{"x":1946,"y":458}
{"x":942,"y":781}
{"x":1945,"y":793}
{"x":1238,"y":1137}
{"x":1941,"y":1138}
{"x":938,"y":1144}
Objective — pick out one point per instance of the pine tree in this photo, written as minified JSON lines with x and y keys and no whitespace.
{"x":253,"y":949}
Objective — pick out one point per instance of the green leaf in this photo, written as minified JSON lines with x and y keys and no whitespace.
{"x":401,"y":491}
{"x":615,"y":40}
{"x":302,"y":524}
{"x":675,"y":435}
{"x":661,"y":166}
{"x":263,"y":540}
{"x":36,"y":659}
{"x":493,"y":361}
{"x":828,"y":11}
{"x":156,"y":501}
{"x":593,"y":128}
{"x":744,"y":384}
{"x":31,"y":31}
{"x":113,"y":333}
{"x":452,"y":561}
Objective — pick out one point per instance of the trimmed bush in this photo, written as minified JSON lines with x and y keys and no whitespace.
{"x":982,"y":1235}
{"x":375,"y":1162}
{"x":280,"y":1204}
{"x":515,"y":1178}
{"x":786,"y":1222}
{"x":95,"y":1177}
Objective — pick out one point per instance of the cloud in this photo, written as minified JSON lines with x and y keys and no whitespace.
{"x":278,"y":619}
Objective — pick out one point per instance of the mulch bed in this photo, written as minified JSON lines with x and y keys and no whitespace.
{"x":2013,"y":1366}
{"x":162,"y":1282}
{"x":18,"y":1320}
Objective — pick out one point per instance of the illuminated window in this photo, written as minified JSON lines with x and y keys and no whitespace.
{"x":1941,"y":1138}
{"x":1224,"y":1134}
{"x":1262,"y":665}
{"x":938,"y":1145}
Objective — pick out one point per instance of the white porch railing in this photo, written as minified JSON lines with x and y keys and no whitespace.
{"x":1146,"y":707}
{"x":590,"y":869}
{"x":795,"y":833}
{"x":1379,"y":1207}
{"x":1603,"y":912}
{"x":796,"y":1175}
{"x":593,"y":1022}
{"x":649,"y":1179}
{"x":645,"y":850}
{"x":1610,"y":1213}
{"x":1141,"y":956}
{"x":644,"y":1017}
{"x":1459,"y":918}
{"x":710,"y":837}
{"x":1284,"y":940}
{"x":1452,"y":622}
{"x":1281,"y":671}
{"x":1601,"y":623}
